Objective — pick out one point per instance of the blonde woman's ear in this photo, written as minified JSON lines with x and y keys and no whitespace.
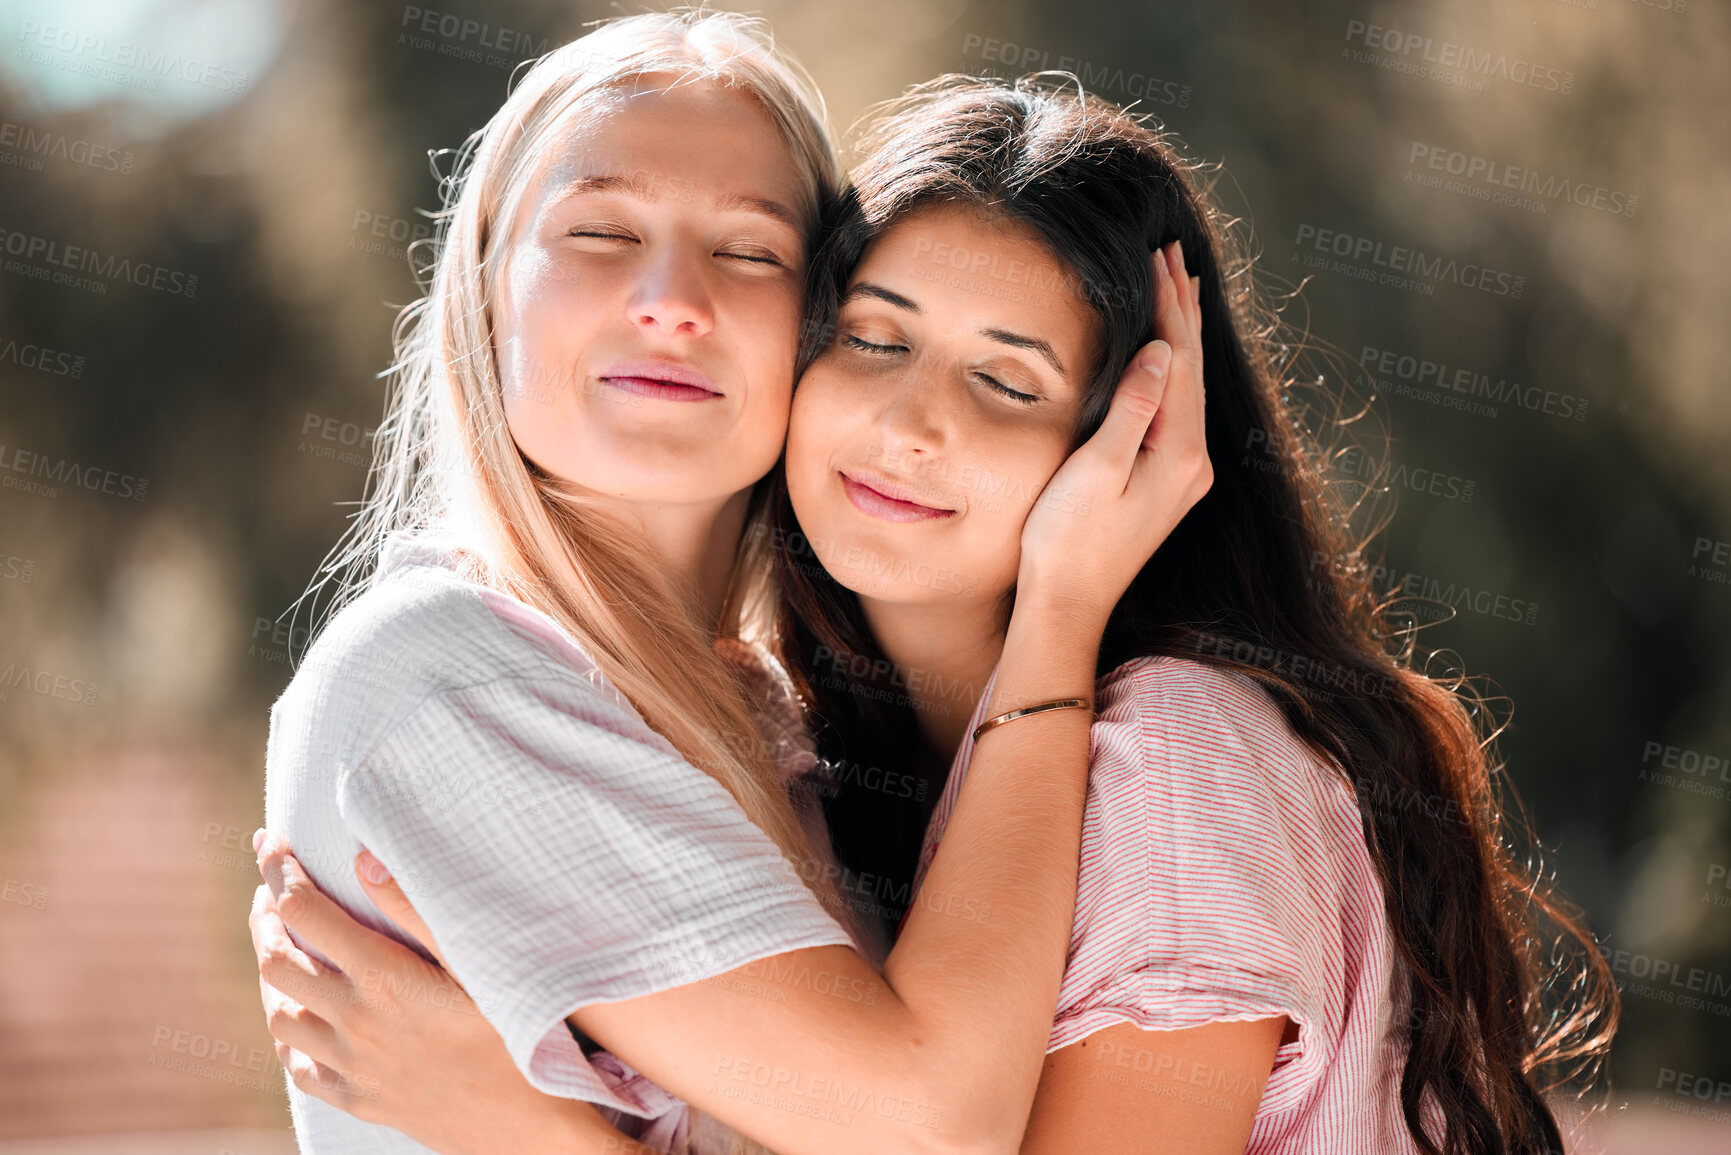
{"x":388,"y":896}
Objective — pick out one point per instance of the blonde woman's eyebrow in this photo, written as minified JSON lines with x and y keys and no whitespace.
{"x":653,"y":187}
{"x":744,"y":202}
{"x":638,"y":184}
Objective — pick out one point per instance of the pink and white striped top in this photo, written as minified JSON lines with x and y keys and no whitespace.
{"x":1225,"y":877}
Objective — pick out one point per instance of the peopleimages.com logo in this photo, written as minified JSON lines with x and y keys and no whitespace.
{"x":1485,"y":178}
{"x":64,"y":471}
{"x":1448,"y":61}
{"x":47,"y":259}
{"x":27,"y":147}
{"x":1137,"y":85}
{"x":1459,"y":387}
{"x":41,"y":358}
{"x":122,"y":61}
{"x":47,"y":683}
{"x":1400,"y":266}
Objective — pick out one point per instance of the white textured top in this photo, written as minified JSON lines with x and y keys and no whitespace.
{"x":1224,"y":876}
{"x":561,"y":852}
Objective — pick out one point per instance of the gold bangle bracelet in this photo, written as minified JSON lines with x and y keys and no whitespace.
{"x":1060,"y":704}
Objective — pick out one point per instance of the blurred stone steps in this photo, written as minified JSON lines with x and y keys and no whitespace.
{"x":116,"y":994}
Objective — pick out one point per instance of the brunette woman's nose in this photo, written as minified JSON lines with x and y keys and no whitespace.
{"x":909,"y":425}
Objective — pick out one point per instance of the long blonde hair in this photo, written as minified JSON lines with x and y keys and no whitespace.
{"x":444,"y":457}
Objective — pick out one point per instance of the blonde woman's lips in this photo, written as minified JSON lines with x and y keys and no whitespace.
{"x":869,"y":496}
{"x":661,"y":381}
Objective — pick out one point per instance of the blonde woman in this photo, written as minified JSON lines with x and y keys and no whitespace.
{"x":520,"y":710}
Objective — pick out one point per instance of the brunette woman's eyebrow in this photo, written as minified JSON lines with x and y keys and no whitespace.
{"x":879,"y":293}
{"x":1032,"y":344}
{"x":1002,"y":336}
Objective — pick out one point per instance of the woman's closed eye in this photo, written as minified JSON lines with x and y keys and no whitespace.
{"x":612,"y":237}
{"x":753,"y":254}
{"x":603,"y":233}
{"x":999,"y":387}
{"x":886,"y":347}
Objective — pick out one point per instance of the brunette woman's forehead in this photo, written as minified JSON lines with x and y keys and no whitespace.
{"x":985,"y":244}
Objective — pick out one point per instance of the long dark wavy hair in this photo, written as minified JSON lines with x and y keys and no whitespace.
{"x":1505,"y":996}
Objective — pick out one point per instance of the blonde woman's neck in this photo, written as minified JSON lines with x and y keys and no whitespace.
{"x":694,"y":543}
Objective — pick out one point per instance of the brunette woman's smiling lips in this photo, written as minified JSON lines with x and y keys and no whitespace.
{"x":661,"y":380}
{"x":884,"y":499}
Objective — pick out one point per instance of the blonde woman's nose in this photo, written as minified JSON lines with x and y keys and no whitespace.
{"x":673,"y":298}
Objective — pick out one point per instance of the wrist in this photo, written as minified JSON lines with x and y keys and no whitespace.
{"x":1057,"y":604}
{"x":546,"y":1125}
{"x":1016,"y":715}
{"x":1064,"y":629}
{"x":1048,"y":655}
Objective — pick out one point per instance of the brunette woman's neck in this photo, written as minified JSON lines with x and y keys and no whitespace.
{"x":943,"y":654}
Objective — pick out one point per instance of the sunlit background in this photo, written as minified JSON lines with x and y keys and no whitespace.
{"x":185,"y":404}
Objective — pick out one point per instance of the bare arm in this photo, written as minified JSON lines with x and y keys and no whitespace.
{"x":1123,"y":1089}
